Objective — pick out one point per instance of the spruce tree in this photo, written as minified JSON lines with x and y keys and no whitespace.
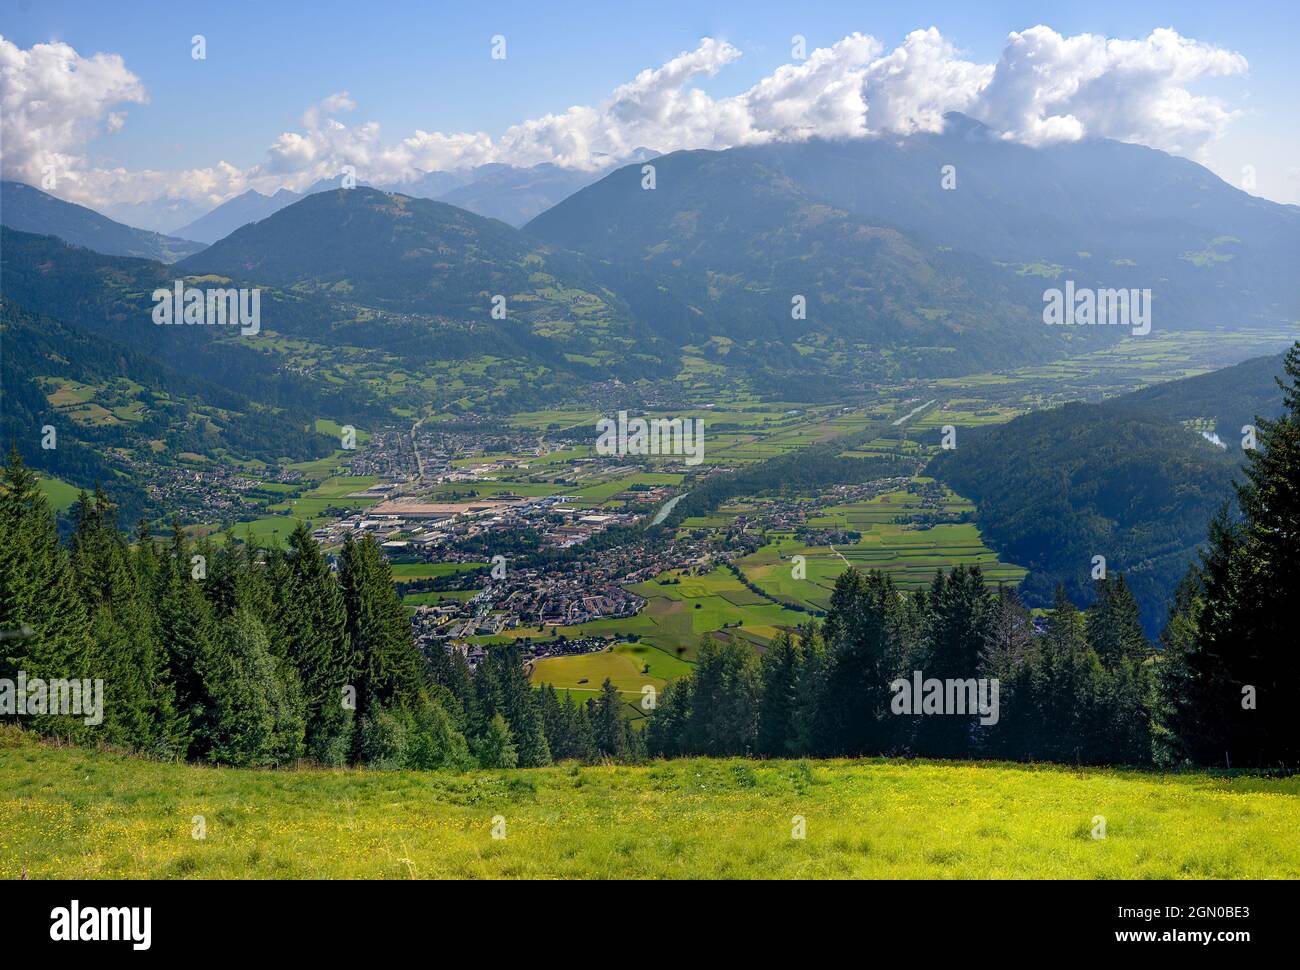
{"x":255,"y":721}
{"x":496,"y":748}
{"x":313,"y":626}
{"x":779,"y":669}
{"x":388,"y":666}
{"x":1236,"y":677}
{"x":40,"y":610}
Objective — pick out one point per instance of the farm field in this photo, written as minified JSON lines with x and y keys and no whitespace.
{"x":908,"y":553}
{"x":60,"y":494}
{"x":410,"y":572}
{"x":624,"y":664}
{"x":74,"y":813}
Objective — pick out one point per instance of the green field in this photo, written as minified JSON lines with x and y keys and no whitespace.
{"x":60,"y":494}
{"x":909,"y":552}
{"x":77,"y":814}
{"x":625,"y":665}
{"x":410,"y":572}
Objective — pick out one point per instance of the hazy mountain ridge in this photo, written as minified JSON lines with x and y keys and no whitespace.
{"x":28,"y":209}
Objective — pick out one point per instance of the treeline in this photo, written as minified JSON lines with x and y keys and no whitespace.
{"x":1083,"y":692}
{"x":230,"y":654}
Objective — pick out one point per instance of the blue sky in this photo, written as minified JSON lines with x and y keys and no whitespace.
{"x":425,"y":66}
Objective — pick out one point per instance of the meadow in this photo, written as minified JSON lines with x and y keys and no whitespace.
{"x":80,"y":814}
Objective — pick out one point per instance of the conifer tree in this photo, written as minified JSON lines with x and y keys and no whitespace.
{"x":496,"y":749}
{"x":313,"y":626}
{"x":519,"y":706}
{"x":255,"y":722}
{"x":666,"y":734}
{"x":779,"y":669}
{"x":139,"y":702}
{"x":388,"y":666}
{"x":608,"y":720}
{"x":1236,"y":676}
{"x":955,"y":639}
{"x":40,"y":610}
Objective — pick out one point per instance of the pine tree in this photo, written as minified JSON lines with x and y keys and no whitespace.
{"x":1237,"y":671}
{"x":779,"y":669}
{"x":139,"y":702}
{"x":187,"y":635}
{"x":724,"y":700}
{"x":519,"y":706}
{"x":955,"y":640}
{"x":608,"y":720}
{"x":809,"y":687}
{"x":313,"y":628}
{"x":1010,"y":652}
{"x":1114,"y":629}
{"x":389,"y":668}
{"x":49,"y":635}
{"x":863,"y":652}
{"x":666,"y":734}
{"x":584,"y":734}
{"x":496,"y":749}
{"x":255,"y":722}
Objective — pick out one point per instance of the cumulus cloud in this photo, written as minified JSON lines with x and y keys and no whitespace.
{"x":1044,"y":88}
{"x":53,"y":102}
{"x":1051,"y":88}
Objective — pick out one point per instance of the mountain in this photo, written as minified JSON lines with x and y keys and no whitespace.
{"x":516,"y":195}
{"x":1103,"y":213}
{"x":739,"y":240}
{"x":28,"y":209}
{"x":433,"y":271}
{"x":236,"y":212}
{"x":1130,"y":479}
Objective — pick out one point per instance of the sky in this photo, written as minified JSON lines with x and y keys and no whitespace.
{"x":109,"y":105}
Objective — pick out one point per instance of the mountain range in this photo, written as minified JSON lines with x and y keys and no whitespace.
{"x":800,"y":272}
{"x":31,"y":210}
{"x":510,"y":193}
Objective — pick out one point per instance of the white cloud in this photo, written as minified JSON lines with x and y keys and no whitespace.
{"x":53,"y":102}
{"x":1044,"y":88}
{"x":1050,"y":88}
{"x":342,"y":101}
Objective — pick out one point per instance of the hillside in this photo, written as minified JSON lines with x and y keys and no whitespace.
{"x":31,"y":210}
{"x":105,"y":816}
{"x":108,"y":403}
{"x":1125,"y":479}
{"x":737,"y":240}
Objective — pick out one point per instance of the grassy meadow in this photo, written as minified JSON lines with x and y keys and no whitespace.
{"x":74,"y":813}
